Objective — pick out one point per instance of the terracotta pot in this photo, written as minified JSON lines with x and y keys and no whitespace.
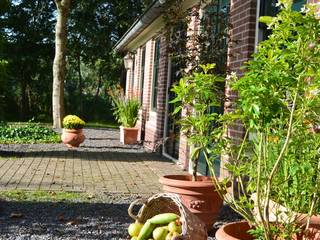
{"x":314,"y":220}
{"x":279,"y":213}
{"x":239,"y":231}
{"x":128,"y":135}
{"x":198,"y":196}
{"x":72,"y":137}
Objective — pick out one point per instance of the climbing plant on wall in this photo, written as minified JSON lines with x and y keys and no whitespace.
{"x":203,"y":41}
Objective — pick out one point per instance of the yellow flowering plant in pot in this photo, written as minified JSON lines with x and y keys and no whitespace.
{"x":72,"y":134}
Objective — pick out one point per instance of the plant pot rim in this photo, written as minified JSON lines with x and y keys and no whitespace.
{"x":185,"y":180}
{"x":238,"y":231}
{"x":72,"y":130}
{"x":129,"y":128}
{"x":234,"y":231}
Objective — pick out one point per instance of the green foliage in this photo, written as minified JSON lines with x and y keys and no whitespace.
{"x":198,"y":94}
{"x":279,"y":107}
{"x":102,"y":124}
{"x":41,"y":196}
{"x":209,"y":44}
{"x":125,"y":109}
{"x":3,"y":76}
{"x":92,"y":66}
{"x":28,"y":133}
{"x":73,"y":122}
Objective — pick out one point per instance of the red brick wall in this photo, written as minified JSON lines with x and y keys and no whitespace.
{"x":147,"y":86}
{"x":156,"y":119}
{"x":316,"y":2}
{"x":162,"y":88}
{"x":243,"y":19}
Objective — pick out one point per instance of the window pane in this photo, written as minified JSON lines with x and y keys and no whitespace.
{"x":155,"y":74}
{"x":143,"y":63}
{"x":269,"y":8}
{"x":298,"y":4}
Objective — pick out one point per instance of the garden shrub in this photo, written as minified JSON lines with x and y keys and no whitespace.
{"x":28,"y":133}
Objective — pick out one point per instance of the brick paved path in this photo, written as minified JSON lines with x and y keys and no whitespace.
{"x":101,"y":164}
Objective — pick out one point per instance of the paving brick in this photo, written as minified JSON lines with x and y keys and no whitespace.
{"x":73,"y":170}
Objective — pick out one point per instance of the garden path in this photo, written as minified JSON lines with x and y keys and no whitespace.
{"x":101,"y":164}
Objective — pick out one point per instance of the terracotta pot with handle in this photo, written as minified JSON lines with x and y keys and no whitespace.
{"x":72,"y":137}
{"x":200,"y":196}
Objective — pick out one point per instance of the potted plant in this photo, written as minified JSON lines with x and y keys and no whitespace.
{"x":275,"y":170}
{"x":126,"y":112}
{"x":72,"y":134}
{"x":197,"y":95}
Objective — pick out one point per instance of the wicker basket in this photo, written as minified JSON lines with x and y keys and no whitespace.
{"x":192,"y":227}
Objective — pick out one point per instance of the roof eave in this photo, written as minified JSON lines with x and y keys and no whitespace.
{"x":153,"y":11}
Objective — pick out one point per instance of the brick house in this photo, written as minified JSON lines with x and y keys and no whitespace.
{"x":149,"y":72}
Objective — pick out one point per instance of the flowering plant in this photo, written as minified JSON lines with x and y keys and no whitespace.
{"x":73,"y":122}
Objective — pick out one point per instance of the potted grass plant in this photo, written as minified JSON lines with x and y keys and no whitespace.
{"x":275,"y":170}
{"x":126,"y":112}
{"x":197,"y":95}
{"x":72,"y":134}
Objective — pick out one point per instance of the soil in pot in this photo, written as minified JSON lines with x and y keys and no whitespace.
{"x":199,"y":196}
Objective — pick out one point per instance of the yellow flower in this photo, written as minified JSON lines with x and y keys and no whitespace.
{"x":73,"y":122}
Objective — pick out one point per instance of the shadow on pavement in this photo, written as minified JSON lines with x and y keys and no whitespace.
{"x":50,"y":220}
{"x":86,"y":155}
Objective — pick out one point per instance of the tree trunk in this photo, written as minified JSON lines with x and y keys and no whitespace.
{"x":80,"y":83}
{"x":59,"y":63}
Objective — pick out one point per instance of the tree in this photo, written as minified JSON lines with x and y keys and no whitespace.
{"x":27,"y":44}
{"x":59,"y":64}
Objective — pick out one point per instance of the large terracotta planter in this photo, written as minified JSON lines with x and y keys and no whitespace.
{"x":128,"y":135}
{"x":72,"y":137}
{"x":239,"y":231}
{"x":314,"y":220}
{"x":279,"y":213}
{"x":199,"y":196}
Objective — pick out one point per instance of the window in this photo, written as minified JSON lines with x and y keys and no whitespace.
{"x":213,"y":37}
{"x":143,"y":63}
{"x":269,"y":8}
{"x":155,"y":74}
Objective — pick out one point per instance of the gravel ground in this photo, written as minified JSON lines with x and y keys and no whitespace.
{"x":59,"y":220}
{"x":104,"y":219}
{"x":97,"y":140}
{"x":78,"y":220}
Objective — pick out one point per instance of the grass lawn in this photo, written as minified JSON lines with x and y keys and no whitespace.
{"x":102,"y":125}
{"x":29,"y":132}
{"x":44,"y":196}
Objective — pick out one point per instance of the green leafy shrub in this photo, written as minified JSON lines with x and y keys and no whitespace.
{"x":73,"y":122}
{"x":199,"y":94}
{"x":27,"y":133}
{"x":277,"y":162}
{"x":125,"y":109}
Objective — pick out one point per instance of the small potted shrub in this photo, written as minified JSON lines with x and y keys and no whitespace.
{"x":126,"y":112}
{"x":275,"y":170}
{"x":72,"y":134}
{"x":197,"y":95}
